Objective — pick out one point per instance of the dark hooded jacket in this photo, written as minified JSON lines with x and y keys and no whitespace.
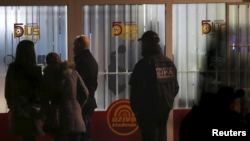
{"x":153,"y":83}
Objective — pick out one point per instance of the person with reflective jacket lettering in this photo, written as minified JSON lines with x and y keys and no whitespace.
{"x":154,"y":86}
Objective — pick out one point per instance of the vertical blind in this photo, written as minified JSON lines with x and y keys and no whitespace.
{"x":239,"y":49}
{"x":204,"y":55}
{"x":199,"y":48}
{"x":44,"y":25}
{"x":207,"y":57}
{"x":113,"y":31}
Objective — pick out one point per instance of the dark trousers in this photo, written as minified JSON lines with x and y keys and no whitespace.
{"x":87,"y":114}
{"x":70,"y":137}
{"x":152,"y":128}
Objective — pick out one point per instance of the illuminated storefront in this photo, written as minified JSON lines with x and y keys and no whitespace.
{"x":207,"y":40}
{"x":114,"y":31}
{"x":46,"y":26}
{"x":211,"y":49}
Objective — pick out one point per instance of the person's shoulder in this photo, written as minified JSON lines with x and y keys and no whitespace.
{"x":161,"y":57}
{"x":36,"y":70}
{"x":139,"y":65}
{"x":167,"y":59}
{"x":68,"y":71}
{"x":85,"y":58}
{"x":11,"y":66}
{"x":141,"y":62}
{"x":12,"y":69}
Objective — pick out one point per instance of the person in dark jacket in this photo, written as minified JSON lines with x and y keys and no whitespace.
{"x":153,"y":86}
{"x":216,"y":112}
{"x":65,"y":90}
{"x":230,"y":114}
{"x":22,"y":83}
{"x":87,"y":67}
{"x":198,"y":123}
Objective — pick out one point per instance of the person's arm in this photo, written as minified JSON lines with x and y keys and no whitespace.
{"x":82,"y":91}
{"x":137,"y":86}
{"x":176,"y":82}
{"x":92,"y":82}
{"x":45,"y":95}
{"x":88,"y":72}
{"x":8,"y":87}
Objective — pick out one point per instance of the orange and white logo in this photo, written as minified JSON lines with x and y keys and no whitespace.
{"x":116,"y":28}
{"x":206,"y":27}
{"x":121,"y":119}
{"x":18,"y":30}
{"x":126,"y":31}
{"x":213,"y":26}
{"x":29,"y":31}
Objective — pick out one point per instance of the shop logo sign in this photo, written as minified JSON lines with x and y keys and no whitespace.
{"x":127,"y":30}
{"x":30,"y":31}
{"x":121,"y":119}
{"x":213,"y":26}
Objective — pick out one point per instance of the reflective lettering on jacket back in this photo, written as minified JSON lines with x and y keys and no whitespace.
{"x":165,"y":72}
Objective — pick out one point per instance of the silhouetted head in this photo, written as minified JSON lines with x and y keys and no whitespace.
{"x":53,"y":59}
{"x":207,"y":100}
{"x":81,"y":43}
{"x":150,"y":37}
{"x":121,"y":49}
{"x":150,"y":43}
{"x":229,"y":97}
{"x":25,"y":53}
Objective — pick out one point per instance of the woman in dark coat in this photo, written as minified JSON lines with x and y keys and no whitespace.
{"x":22,"y":83}
{"x":64,"y":88}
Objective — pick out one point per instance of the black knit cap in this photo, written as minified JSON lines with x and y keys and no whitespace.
{"x":150,"y":36}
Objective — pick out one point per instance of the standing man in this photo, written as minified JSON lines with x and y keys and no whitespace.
{"x":154,"y":86}
{"x":87,"y":67}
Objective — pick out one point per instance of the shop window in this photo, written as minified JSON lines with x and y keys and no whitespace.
{"x":113,"y":31}
{"x":200,"y":50}
{"x":44,"y":25}
{"x":238,"y":49}
{"x":206,"y":56}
